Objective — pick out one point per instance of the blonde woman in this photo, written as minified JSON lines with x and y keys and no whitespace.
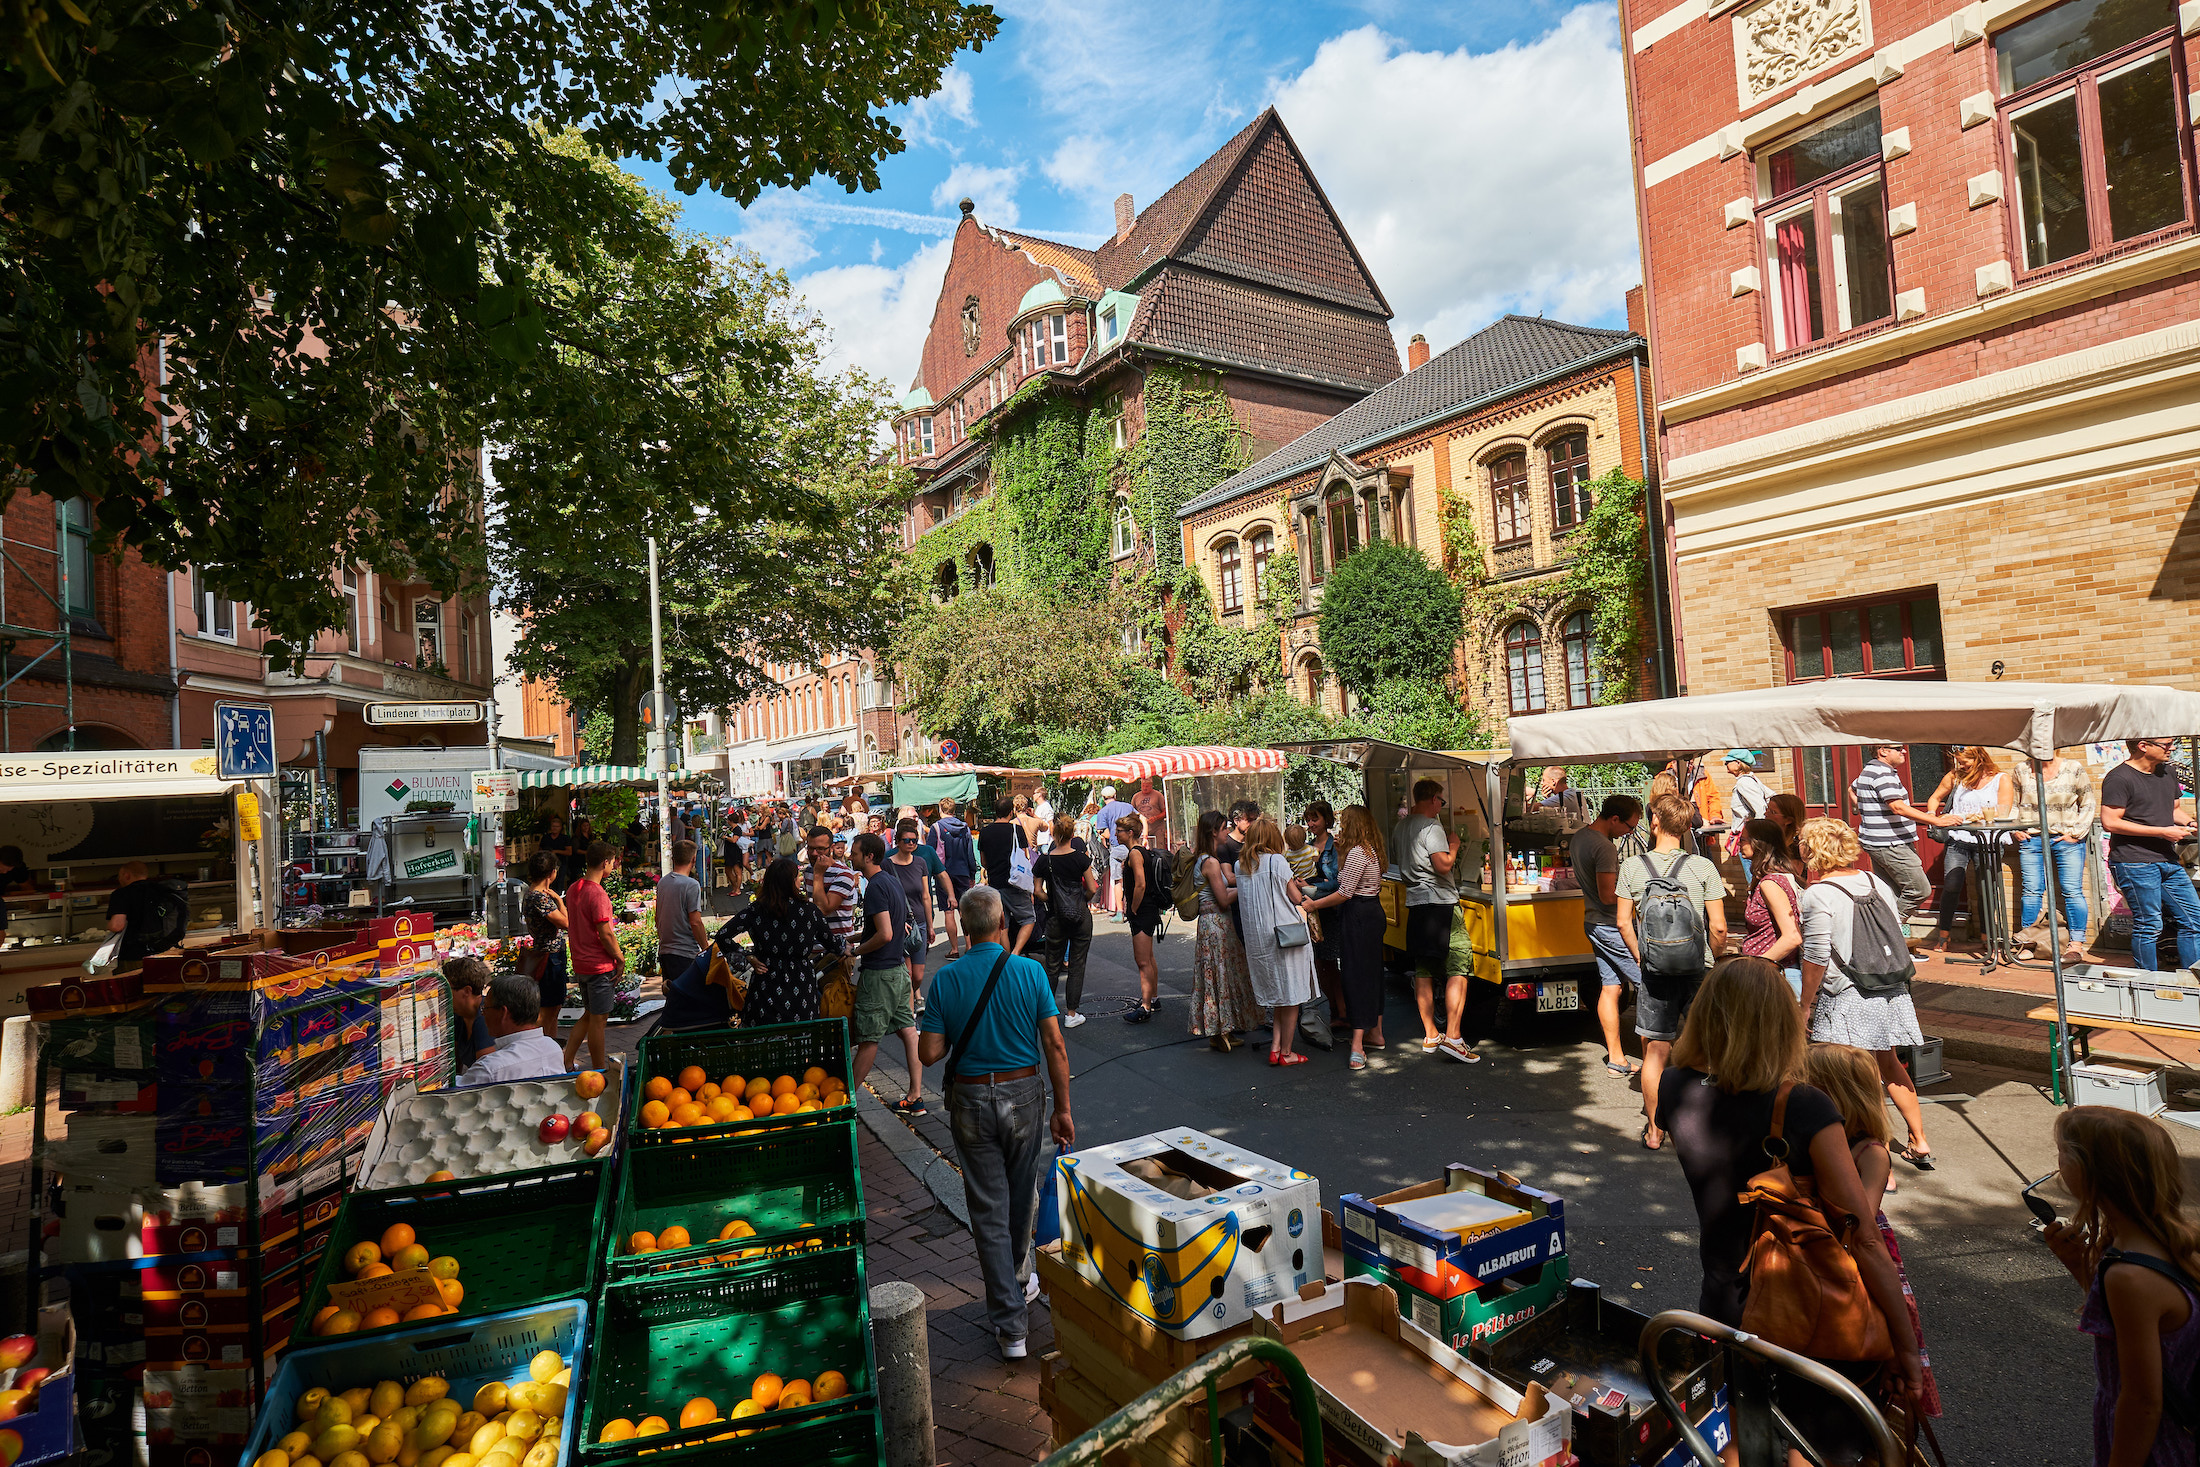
{"x":1358,"y":927}
{"x":1269,"y":900}
{"x":1972,"y":790}
{"x":1739,"y":1052}
{"x":1833,"y":1007}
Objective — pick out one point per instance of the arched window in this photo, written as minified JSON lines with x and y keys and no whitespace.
{"x":1569,"y":458}
{"x":946,"y":582}
{"x":1126,"y":528}
{"x":1509,"y":499}
{"x":1317,"y":680}
{"x":1229,"y":577}
{"x":1264,"y":548}
{"x":839,"y":703}
{"x":1344,"y":523}
{"x":1310,"y":535}
{"x":1524,"y":667}
{"x":981,"y":566}
{"x":1584,"y":681}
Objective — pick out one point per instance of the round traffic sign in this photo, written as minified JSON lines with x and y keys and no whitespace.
{"x":950,"y":750}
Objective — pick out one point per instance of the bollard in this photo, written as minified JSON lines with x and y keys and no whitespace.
{"x":18,"y":1063}
{"x":904,"y":1373}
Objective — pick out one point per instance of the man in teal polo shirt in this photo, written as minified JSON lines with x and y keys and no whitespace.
{"x":997,"y":1100}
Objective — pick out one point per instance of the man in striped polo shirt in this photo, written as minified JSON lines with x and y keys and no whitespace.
{"x":1886,"y":823}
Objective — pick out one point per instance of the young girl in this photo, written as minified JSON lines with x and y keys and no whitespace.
{"x":1850,"y":1079}
{"x":2130,"y":1190}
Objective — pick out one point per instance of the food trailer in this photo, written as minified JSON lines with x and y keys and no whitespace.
{"x":1523,"y":910}
{"x":79,"y":817}
{"x":1194,"y":778}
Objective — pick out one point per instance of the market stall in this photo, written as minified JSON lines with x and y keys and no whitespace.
{"x":1193,"y":778}
{"x":1522,"y":908}
{"x":2031,"y":720}
{"x":928,"y":784}
{"x":79,"y":818}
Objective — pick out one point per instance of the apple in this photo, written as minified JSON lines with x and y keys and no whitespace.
{"x":597,"y":1140}
{"x":16,"y":1349}
{"x":553,"y":1129}
{"x":27,"y":1380}
{"x":15,"y":1403}
{"x":11,"y":1447}
{"x":588,"y":1121}
{"x":588,"y":1084}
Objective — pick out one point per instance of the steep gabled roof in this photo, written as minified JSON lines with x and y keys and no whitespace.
{"x":1076,"y":266}
{"x":1502,"y":358}
{"x":1235,"y":323}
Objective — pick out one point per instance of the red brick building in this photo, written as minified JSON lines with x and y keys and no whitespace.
{"x":1924,"y":306}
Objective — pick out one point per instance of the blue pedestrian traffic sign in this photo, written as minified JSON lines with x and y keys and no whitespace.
{"x":244,"y":741}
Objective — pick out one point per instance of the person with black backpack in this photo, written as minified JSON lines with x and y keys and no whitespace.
{"x":1672,"y":916}
{"x":152,"y":913}
{"x":1857,"y":969}
{"x":1066,"y":876}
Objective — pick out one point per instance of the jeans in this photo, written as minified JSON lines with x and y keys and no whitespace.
{"x":2149,"y":886}
{"x":1068,"y":942}
{"x":1000,"y":1137}
{"x":1900,"y":868}
{"x":2069,"y":881}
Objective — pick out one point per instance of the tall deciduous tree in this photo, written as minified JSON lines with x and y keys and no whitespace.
{"x":993,"y":667}
{"x":1388,"y":613}
{"x":310,"y":234}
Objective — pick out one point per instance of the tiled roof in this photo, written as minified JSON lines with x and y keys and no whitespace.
{"x":1500,"y":358}
{"x":1163,"y":223}
{"x":1236,"y":323}
{"x":1075,"y":265}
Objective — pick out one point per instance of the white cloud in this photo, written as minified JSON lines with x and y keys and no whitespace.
{"x":953,"y":102}
{"x":878,"y":314}
{"x":992,"y":189}
{"x":1082,"y":164}
{"x":1477,"y":183}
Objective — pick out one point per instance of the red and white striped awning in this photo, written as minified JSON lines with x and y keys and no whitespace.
{"x":1158,"y":763}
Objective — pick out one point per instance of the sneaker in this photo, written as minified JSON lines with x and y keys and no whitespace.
{"x":1031,"y":1287}
{"x":1071,"y":1021}
{"x":1012,"y":1349}
{"x":1457,"y":1049}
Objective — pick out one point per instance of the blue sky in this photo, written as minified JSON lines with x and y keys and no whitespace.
{"x":1476,"y":151}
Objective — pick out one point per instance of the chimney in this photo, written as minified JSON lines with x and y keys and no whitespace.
{"x":1416,"y":352}
{"x":1636,"y":321}
{"x":1126,"y":214}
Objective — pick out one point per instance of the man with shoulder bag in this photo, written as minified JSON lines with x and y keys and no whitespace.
{"x":998,"y":1011}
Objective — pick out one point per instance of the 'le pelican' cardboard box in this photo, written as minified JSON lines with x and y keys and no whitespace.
{"x":1187,"y":1232}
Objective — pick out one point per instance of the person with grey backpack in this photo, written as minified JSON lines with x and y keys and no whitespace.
{"x":1857,"y":969}
{"x":1672,"y":916}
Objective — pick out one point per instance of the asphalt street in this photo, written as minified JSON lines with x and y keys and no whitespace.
{"x":2000,"y":1316}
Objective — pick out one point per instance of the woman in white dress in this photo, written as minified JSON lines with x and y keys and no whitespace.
{"x":1269,"y":899}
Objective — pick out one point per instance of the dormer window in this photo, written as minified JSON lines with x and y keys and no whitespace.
{"x":1108,"y":326}
{"x":1058,"y":333}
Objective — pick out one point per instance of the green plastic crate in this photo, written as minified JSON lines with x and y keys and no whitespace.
{"x":791,"y":1186}
{"x":657,"y":1343}
{"x":519,"y":1240}
{"x":779,"y":1049}
{"x":852,"y":1439}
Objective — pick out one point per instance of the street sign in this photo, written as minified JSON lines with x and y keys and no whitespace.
{"x":656,"y":716}
{"x":495,"y":791}
{"x":385,"y":713}
{"x":244,"y":740}
{"x":950,"y":750}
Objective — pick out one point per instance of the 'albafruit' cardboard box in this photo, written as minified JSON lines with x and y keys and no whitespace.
{"x":1189,"y":1233}
{"x":1441,"y":1264}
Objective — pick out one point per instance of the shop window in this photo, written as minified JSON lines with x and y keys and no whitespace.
{"x":1229,"y":580}
{"x":1263,"y":544}
{"x":351,"y":612}
{"x":1126,"y":528}
{"x":1584,"y":681}
{"x":1895,"y":637}
{"x":1829,"y":265}
{"x":1344,"y":524}
{"x":2090,"y":99}
{"x":217,"y":615}
{"x":1569,"y":464}
{"x":1509,"y":499}
{"x":76,"y":550}
{"x":1524,"y":667}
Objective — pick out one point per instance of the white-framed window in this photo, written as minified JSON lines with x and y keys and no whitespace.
{"x":1230,"y":577}
{"x":76,"y":548}
{"x":1126,"y":528}
{"x":1263,"y":545}
{"x":1023,"y":350}
{"x":1829,"y":263}
{"x":1109,"y":327}
{"x":924,"y":434}
{"x":352,"y":629}
{"x":217,"y":617}
{"x":1058,"y":334}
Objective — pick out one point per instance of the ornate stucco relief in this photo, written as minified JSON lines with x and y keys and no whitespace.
{"x":1779,"y":42}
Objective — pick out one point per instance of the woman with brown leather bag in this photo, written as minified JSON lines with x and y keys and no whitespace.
{"x":1788,"y":1249}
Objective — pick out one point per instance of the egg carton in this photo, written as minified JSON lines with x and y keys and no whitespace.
{"x":482,"y":1130}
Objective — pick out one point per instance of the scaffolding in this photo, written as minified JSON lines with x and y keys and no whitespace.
{"x":13,"y":635}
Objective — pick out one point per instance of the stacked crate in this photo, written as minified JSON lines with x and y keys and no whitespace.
{"x":210,"y":1130}
{"x":705,"y":1319}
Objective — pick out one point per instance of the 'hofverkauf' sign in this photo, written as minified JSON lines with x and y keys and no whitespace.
{"x":445,"y":859}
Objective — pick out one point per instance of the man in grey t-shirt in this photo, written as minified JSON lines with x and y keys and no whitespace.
{"x":1596,"y":870}
{"x":680,"y":934}
{"x":1436,"y":930}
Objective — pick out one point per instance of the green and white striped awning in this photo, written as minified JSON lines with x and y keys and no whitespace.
{"x":599,"y":776}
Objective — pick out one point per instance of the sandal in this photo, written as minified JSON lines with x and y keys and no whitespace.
{"x":1626,"y":1071}
{"x":1358,"y":1060}
{"x":1922,"y":1160}
{"x":1288,"y":1059}
{"x":1219,"y":1043}
{"x":1645,"y":1139}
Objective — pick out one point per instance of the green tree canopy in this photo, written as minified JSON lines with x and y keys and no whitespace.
{"x":1387,"y":613}
{"x":269,"y":269}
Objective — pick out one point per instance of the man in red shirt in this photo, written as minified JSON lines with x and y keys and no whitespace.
{"x":597,"y":961}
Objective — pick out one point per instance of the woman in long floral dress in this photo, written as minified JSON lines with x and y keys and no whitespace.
{"x":1222,"y":993}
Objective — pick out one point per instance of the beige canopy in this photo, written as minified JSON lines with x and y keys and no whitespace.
{"x":2034,"y":719}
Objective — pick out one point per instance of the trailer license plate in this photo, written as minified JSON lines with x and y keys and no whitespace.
{"x":1556,"y":998}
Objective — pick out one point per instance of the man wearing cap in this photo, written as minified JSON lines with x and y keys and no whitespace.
{"x":1103,"y":827}
{"x":1748,"y":800}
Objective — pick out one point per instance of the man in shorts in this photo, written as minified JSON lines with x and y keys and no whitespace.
{"x":1661,"y":1008}
{"x":1436,"y":929}
{"x":883,"y":1002}
{"x":597,"y":960}
{"x":1596,"y":868}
